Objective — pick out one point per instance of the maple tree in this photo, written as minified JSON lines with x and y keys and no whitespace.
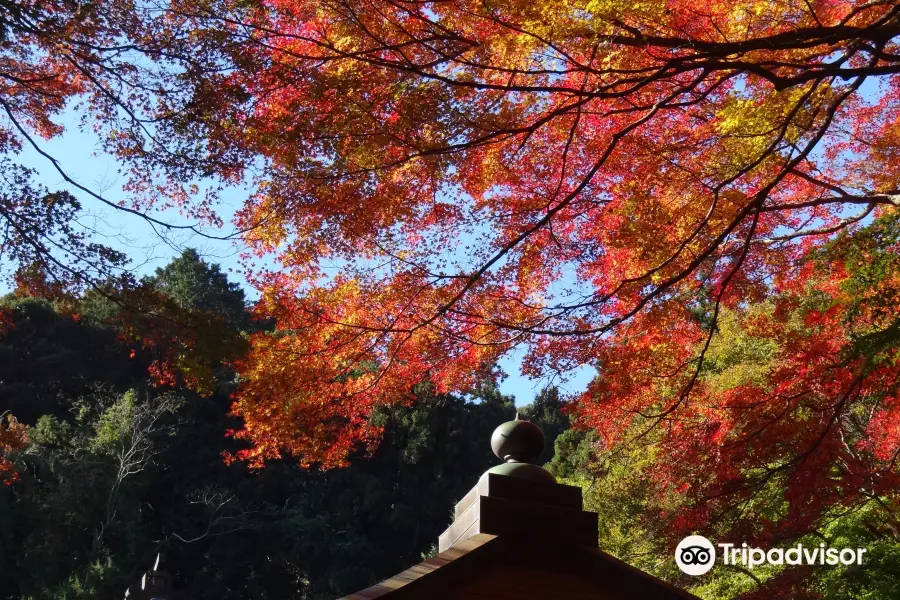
{"x":107,"y":64}
{"x":13,"y":438}
{"x":808,"y":374}
{"x":42,"y":49}
{"x":440,"y":182}
{"x":789,"y":433}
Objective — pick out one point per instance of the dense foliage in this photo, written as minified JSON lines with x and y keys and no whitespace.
{"x":439,"y":182}
{"x":788,"y":436}
{"x":700,"y":201}
{"x":115,"y":467}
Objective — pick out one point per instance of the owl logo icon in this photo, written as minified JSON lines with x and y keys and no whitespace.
{"x":695,"y":555}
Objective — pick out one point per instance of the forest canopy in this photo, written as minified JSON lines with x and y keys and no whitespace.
{"x":104,"y":467}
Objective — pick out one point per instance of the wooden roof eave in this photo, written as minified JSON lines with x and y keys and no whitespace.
{"x":452,"y":569}
{"x":458,"y":563}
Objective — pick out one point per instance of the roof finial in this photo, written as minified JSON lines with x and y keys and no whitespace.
{"x":517,"y":442}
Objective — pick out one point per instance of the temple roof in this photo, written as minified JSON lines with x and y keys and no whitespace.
{"x":519,"y":535}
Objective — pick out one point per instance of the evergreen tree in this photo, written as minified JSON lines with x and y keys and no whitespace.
{"x":194,"y":284}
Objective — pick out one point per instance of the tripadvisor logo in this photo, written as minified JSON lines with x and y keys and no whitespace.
{"x":696,"y":555}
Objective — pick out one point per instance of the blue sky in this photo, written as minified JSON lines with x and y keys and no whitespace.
{"x":81,"y":158}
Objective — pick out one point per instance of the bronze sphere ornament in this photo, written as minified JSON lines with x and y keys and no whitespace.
{"x":518,"y":442}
